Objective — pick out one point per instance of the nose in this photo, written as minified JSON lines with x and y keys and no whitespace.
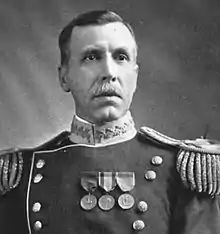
{"x":109,"y":69}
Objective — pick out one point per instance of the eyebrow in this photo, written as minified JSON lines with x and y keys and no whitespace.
{"x":91,"y":49}
{"x":98,"y":50}
{"x":122,"y":50}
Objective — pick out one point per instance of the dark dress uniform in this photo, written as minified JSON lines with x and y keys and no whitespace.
{"x":110,"y":181}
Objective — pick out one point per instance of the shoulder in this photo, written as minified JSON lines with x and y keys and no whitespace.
{"x":158,"y":138}
{"x":12,"y":161}
{"x":58,"y":141}
{"x":197,"y":161}
{"x":11,"y":167}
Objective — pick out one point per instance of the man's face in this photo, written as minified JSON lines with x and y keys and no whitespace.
{"x":102,"y":73}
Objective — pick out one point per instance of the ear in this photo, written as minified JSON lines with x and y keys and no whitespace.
{"x":63,"y":75}
{"x":136,"y":68}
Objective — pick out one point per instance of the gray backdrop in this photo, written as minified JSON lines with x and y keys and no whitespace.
{"x":179,"y":83}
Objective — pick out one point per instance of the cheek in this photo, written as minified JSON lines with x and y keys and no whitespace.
{"x":81,"y":81}
{"x":130,"y":82}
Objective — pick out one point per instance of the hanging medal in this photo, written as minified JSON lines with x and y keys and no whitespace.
{"x":126,"y":182}
{"x":89,"y":183}
{"x":107,"y":182}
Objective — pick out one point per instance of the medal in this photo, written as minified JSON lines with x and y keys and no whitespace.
{"x":88,"y":202}
{"x":125,"y":180}
{"x":106,"y":202}
{"x":89,"y":183}
{"x":107,"y":181}
{"x":126,"y":201}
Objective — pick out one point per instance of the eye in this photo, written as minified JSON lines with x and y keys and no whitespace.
{"x":90,"y":57}
{"x":121,"y":56}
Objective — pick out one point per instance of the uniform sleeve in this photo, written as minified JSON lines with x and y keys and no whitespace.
{"x":11,"y":169}
{"x":196,"y":214}
{"x":197,"y":211}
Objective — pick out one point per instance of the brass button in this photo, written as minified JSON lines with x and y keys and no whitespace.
{"x":157,"y":160}
{"x":150,"y":175}
{"x":37,"y":225}
{"x":138,"y":225}
{"x":40,"y":163}
{"x":142,"y":206}
{"x":36,"y":207}
{"x":38,"y":178}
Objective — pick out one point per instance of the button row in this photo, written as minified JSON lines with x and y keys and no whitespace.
{"x":138,"y":225}
{"x":149,"y":175}
{"x":37,"y":206}
{"x":40,"y":164}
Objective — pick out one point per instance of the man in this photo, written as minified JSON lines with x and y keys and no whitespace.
{"x":105,"y":176}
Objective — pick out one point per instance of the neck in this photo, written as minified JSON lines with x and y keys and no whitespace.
{"x":83,"y":132}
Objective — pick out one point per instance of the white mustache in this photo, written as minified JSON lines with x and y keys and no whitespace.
{"x":106,"y":91}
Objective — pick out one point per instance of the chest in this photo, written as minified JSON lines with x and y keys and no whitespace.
{"x":123,"y":176}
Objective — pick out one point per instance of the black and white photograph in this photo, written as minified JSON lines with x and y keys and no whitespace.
{"x":110,"y":117}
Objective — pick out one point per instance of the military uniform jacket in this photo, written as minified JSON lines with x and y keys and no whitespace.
{"x":149,"y":184}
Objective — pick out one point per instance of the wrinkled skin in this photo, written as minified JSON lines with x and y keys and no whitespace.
{"x":102,"y":73}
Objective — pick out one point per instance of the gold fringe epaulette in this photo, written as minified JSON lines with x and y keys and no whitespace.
{"x":11,"y":167}
{"x":198,"y":161}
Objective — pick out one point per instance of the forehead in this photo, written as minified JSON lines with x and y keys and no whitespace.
{"x":109,"y":36}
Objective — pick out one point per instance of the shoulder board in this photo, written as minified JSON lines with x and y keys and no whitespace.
{"x":198,"y":161}
{"x":11,"y":167}
{"x":158,"y":137}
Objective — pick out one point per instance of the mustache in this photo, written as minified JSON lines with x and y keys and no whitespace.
{"x":107,"y":91}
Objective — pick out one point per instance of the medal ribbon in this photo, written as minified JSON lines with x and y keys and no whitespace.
{"x":107,"y":181}
{"x":125,"y":180}
{"x":89,"y":181}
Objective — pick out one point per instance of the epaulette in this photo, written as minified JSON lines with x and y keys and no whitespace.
{"x":11,"y":167}
{"x":198,"y":161}
{"x":11,"y":161}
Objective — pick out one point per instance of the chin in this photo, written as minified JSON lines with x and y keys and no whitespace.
{"x":107,"y":115}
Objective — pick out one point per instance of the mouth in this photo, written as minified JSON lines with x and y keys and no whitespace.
{"x":107,"y":94}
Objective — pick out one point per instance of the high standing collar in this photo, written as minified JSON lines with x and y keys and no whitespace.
{"x":83,"y":132}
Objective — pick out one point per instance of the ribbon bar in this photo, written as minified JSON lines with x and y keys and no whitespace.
{"x":107,"y":181}
{"x":89,"y":181}
{"x":125,"y":180}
